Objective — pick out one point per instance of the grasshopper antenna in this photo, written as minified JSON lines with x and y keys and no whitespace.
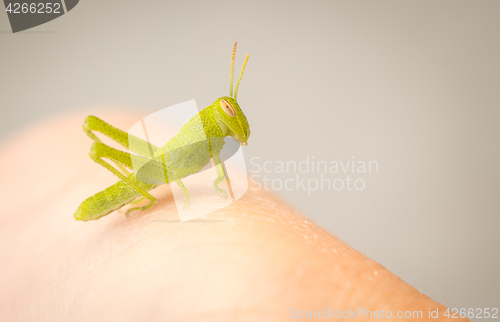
{"x":232,"y":70}
{"x":241,"y":75}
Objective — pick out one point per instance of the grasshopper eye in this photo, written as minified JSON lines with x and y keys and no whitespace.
{"x":228,"y":108}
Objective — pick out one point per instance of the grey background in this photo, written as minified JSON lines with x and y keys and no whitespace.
{"x":410,"y":84}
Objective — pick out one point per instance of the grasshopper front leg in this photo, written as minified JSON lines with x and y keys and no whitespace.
{"x":222,"y":175}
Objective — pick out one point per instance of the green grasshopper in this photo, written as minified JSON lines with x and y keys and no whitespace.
{"x":224,"y":118}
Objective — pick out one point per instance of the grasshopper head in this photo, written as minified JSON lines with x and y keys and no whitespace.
{"x":228,"y":112}
{"x":230,"y":116}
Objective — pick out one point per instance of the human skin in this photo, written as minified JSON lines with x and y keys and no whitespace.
{"x":254,"y":260}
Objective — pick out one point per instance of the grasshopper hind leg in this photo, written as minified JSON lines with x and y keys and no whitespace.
{"x":138,"y":200}
{"x":149,"y":205}
{"x":98,"y":151}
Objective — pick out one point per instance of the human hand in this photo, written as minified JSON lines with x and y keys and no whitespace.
{"x":254,"y":260}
